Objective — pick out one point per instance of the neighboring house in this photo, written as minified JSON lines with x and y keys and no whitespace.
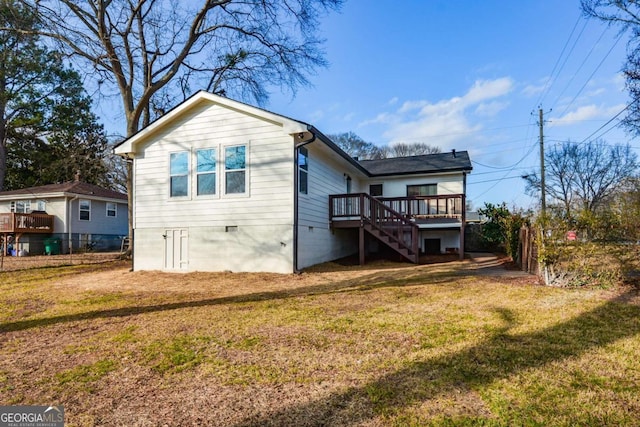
{"x":45,"y":219}
{"x":221,"y":185}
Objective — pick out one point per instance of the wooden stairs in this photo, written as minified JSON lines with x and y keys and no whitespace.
{"x":380,"y":221}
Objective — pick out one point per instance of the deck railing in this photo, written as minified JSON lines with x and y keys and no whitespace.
{"x":386,"y":220}
{"x":427,"y":207}
{"x":26,"y":223}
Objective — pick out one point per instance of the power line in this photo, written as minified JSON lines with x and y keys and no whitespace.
{"x":492,"y":180}
{"x":553,"y":79}
{"x":505,"y":177}
{"x":584,"y":61}
{"x":609,"y":121}
{"x":592,"y":74}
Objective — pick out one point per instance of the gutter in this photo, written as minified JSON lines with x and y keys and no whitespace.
{"x":296,"y":177}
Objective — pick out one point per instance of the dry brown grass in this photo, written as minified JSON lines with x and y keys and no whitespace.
{"x":384,"y":344}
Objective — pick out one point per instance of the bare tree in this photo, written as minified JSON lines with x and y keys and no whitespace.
{"x":139,"y":47}
{"x":404,"y":149}
{"x":357,"y":147}
{"x":584,"y":177}
{"x":624,"y":14}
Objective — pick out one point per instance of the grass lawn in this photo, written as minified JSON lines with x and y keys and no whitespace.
{"x":386,"y":344}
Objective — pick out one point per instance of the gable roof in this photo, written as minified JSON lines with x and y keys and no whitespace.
{"x":431,"y":163}
{"x":453,"y":161}
{"x":128,"y":145}
{"x":78,"y":188}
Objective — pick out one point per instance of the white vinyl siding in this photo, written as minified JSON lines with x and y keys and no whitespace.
{"x":268,"y":173}
{"x":446,"y":183}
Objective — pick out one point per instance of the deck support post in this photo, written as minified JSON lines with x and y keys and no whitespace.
{"x":361,"y":243}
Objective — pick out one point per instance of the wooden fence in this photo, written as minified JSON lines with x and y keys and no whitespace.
{"x":527,"y":257}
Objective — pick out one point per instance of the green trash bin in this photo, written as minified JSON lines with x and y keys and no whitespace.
{"x":52,"y":247}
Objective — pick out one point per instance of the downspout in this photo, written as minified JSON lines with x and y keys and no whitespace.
{"x":296,"y":177}
{"x":69,"y":220}
{"x":130,"y":207}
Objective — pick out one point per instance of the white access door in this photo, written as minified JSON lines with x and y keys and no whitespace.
{"x":176,"y":249}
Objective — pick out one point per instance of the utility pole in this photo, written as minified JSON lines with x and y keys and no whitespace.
{"x":543,"y":194}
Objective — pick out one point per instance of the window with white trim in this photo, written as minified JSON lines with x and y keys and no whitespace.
{"x":206,"y":172}
{"x":21,"y":206}
{"x":235,"y":169}
{"x":85,"y":209}
{"x":179,"y":174}
{"x":303,"y":170}
{"x":422,"y":190}
{"x":112,"y":209}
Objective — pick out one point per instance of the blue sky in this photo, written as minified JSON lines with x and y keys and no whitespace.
{"x":468,"y":75}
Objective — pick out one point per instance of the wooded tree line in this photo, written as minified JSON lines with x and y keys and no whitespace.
{"x":48,"y":132}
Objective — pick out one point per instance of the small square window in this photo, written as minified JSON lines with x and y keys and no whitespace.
{"x":375,"y":190}
{"x":112,"y":210}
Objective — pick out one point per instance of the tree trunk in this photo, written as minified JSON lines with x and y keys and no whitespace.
{"x":3,"y":149}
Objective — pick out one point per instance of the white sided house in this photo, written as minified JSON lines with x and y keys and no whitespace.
{"x":221,"y":185}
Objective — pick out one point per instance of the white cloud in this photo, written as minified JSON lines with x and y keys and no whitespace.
{"x":587,"y":112}
{"x":445,"y":122}
{"x":533,"y":90}
{"x":490,"y":109}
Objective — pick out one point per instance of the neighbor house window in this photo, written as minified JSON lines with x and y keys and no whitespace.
{"x":179,"y":174}
{"x":42,"y":205}
{"x":375,"y":190}
{"x":21,"y":206}
{"x":235,"y":168}
{"x":206,"y":171}
{"x":422,"y":190}
{"x":85,"y":210}
{"x":303,"y":170}
{"x":112,"y":209}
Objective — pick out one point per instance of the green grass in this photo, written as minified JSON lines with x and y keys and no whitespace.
{"x":398,"y":346}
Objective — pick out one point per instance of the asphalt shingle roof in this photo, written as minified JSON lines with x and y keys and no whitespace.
{"x":428,"y":163}
{"x":72,"y":187}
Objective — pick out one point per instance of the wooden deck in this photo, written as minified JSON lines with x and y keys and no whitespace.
{"x":26,"y":223}
{"x":396,"y":221}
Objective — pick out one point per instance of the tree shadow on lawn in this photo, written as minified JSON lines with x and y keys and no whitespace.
{"x":500,"y":356}
{"x":378,"y":280}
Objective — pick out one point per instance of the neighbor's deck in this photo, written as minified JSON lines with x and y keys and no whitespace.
{"x":26,"y":223}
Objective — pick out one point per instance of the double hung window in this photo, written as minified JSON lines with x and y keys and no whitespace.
{"x":235,"y":167}
{"x":179,"y":174}
{"x":206,"y":172}
{"x":85,"y":209}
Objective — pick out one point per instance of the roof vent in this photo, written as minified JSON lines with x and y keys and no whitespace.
{"x":453,"y":152}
